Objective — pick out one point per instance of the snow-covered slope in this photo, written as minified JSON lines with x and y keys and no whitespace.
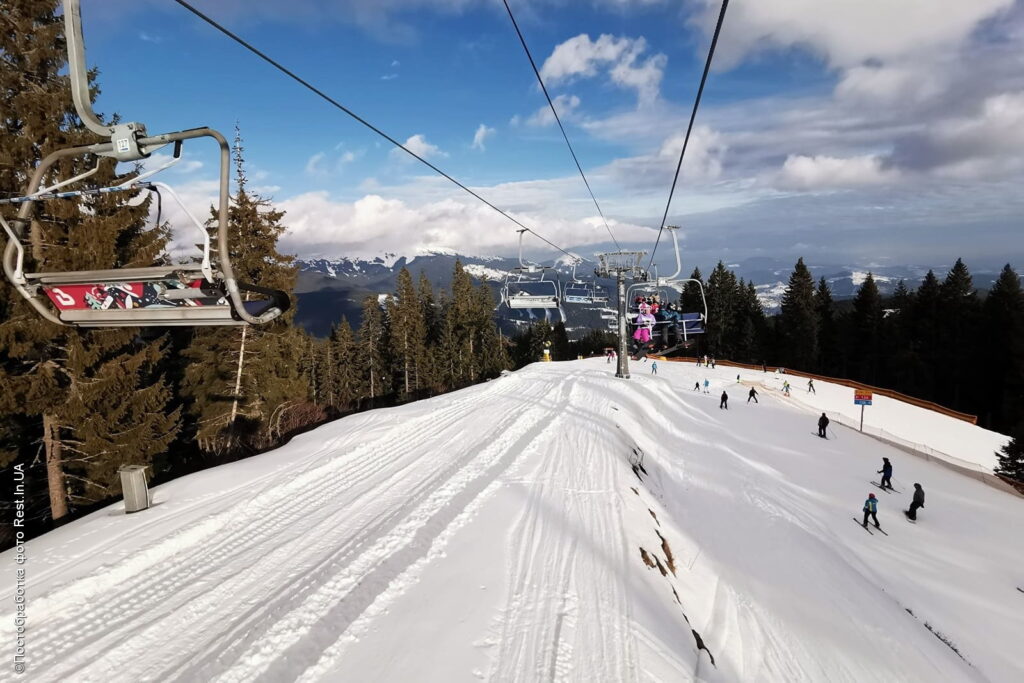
{"x":553,"y":524}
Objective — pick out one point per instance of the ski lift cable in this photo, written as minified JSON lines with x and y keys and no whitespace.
{"x":551,"y":104}
{"x":689,"y":128}
{"x":309,"y":86}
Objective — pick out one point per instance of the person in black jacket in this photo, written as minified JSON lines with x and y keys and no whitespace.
{"x":752,"y":395}
{"x":822,"y":425}
{"x":917,"y":502}
{"x":886,"y":473}
{"x":725,"y":401}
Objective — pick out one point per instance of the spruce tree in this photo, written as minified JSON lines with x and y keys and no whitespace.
{"x":348,"y":368}
{"x":926,"y":324}
{"x":798,"y":320}
{"x":866,"y":338}
{"x":408,"y":335}
{"x":1011,"y":456}
{"x":690,"y":300}
{"x":373,"y":349}
{"x":489,"y":347}
{"x":559,"y":342}
{"x":237,"y":378}
{"x":829,"y":361}
{"x":1004,"y":351}
{"x":94,"y":400}
{"x":721,"y":295}
{"x":958,"y":327}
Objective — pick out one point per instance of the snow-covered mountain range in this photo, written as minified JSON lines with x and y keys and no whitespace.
{"x":330,"y":288}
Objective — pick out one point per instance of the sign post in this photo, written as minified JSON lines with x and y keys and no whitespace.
{"x":861,"y":398}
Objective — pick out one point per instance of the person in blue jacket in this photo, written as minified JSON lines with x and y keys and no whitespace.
{"x":871,"y":510}
{"x":886,"y":473}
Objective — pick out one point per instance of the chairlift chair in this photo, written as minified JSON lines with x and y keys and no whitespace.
{"x":522,"y":290}
{"x":675,"y":331}
{"x":577,"y":291}
{"x":202,"y":293}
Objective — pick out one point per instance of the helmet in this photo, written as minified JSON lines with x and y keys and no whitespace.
{"x":871,"y":495}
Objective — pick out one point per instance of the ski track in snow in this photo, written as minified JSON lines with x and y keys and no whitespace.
{"x":287,"y":538}
{"x":558,"y":611}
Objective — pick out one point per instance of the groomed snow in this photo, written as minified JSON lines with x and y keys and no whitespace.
{"x":495,"y":533}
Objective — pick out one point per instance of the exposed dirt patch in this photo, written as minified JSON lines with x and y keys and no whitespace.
{"x":633,"y":489}
{"x":678,"y":601}
{"x":645,"y":556}
{"x":668,"y":552}
{"x":661,"y":567}
{"x":654,"y":515}
{"x":702,"y":646}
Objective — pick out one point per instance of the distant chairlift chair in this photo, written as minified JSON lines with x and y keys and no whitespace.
{"x":523,"y":291}
{"x":203,"y":293}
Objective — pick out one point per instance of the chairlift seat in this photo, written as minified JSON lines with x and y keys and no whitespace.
{"x":173,"y":295}
{"x":522,"y":300}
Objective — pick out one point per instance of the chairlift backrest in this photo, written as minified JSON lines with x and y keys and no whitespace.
{"x":205,"y":293}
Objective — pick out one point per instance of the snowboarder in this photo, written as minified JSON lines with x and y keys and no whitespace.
{"x":696,"y":385}
{"x":810,"y":387}
{"x":725,"y":401}
{"x":706,"y":385}
{"x":886,"y":473}
{"x":917,"y":502}
{"x":654,"y":367}
{"x":822,"y":425}
{"x":752,"y":395}
{"x":871,"y":510}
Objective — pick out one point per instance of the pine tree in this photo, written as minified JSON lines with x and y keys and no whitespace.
{"x":798,"y":321}
{"x":690,"y":300}
{"x":373,"y":350}
{"x":559,"y":342}
{"x":488,"y":347}
{"x":348,"y":368}
{"x":721,"y":295}
{"x":408,"y":335}
{"x":238,"y":378}
{"x":1011,"y":456}
{"x":958,"y":327}
{"x":1004,"y":351}
{"x":867,"y":339}
{"x":94,"y":400}
{"x":926,"y":335}
{"x":829,"y":361}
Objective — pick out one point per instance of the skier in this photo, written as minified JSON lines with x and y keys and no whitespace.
{"x":752,"y":395}
{"x":886,"y":473}
{"x":654,"y":367}
{"x":737,"y":378}
{"x":696,"y":385}
{"x":810,"y":387}
{"x":822,"y":425}
{"x":871,"y":510}
{"x":725,"y":401}
{"x":917,"y":502}
{"x":706,"y":385}
{"x":785,"y":386}
{"x":712,"y":362}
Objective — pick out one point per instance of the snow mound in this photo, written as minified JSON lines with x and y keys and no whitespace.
{"x":556,"y":523}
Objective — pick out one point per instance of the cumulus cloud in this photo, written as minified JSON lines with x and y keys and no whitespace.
{"x":418,"y":145}
{"x":480,"y":136}
{"x":803,"y":173}
{"x":848,"y":32}
{"x":622,"y":58}
{"x":319,"y":225}
{"x":566,"y":106}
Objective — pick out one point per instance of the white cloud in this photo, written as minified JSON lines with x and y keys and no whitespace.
{"x":319,"y":225}
{"x":418,"y":145}
{"x":185,"y":165}
{"x":847,"y":33}
{"x":395,"y":64}
{"x":566,"y":106}
{"x":622,"y":57}
{"x":389,"y":77}
{"x":313,"y":164}
{"x":809,"y":173}
{"x":480,"y":136}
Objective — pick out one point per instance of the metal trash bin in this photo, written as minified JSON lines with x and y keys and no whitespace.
{"x":135,"y":488}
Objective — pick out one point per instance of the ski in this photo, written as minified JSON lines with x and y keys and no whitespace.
{"x":819,"y":435}
{"x":1020,"y":589}
{"x":884,"y":533}
{"x":907,"y":515}
{"x":885,"y":488}
{"x":863,"y":525}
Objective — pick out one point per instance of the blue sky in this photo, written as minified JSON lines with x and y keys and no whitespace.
{"x":860,"y":131}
